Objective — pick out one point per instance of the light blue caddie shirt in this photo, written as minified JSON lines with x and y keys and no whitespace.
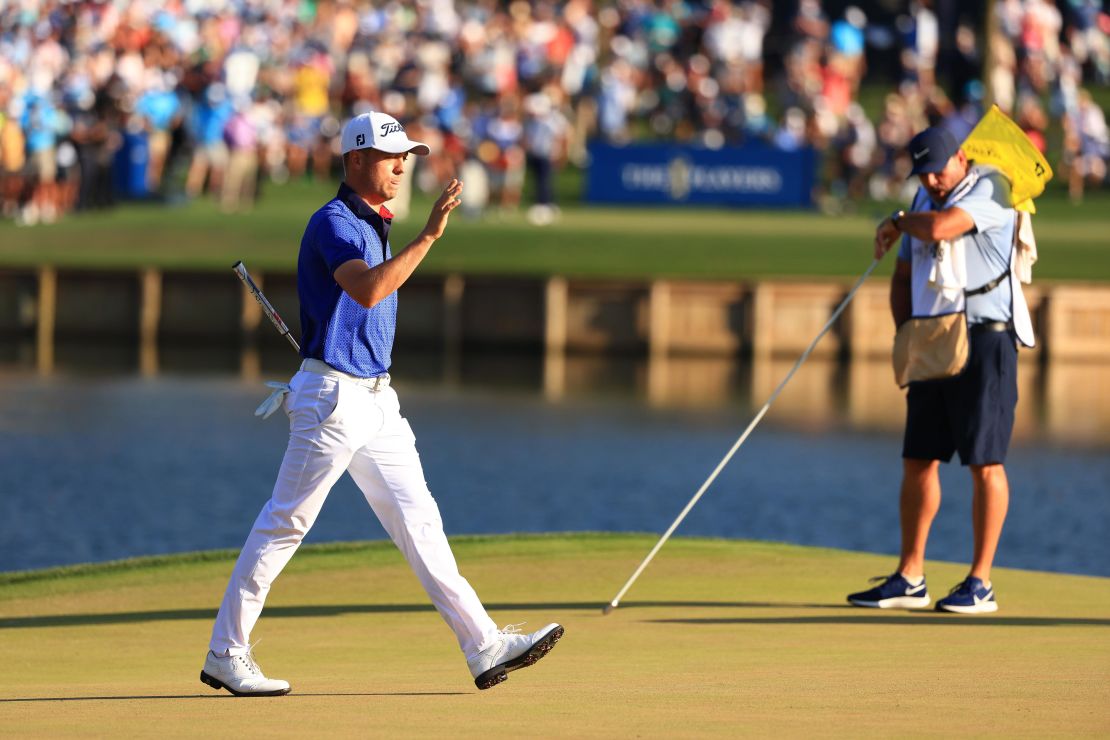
{"x":988,"y":246}
{"x":334,"y":327}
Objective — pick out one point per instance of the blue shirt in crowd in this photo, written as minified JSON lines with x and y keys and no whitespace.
{"x":41,"y":124}
{"x":159,"y":107}
{"x":211,"y":118}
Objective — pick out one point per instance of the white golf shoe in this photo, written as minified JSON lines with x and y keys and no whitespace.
{"x":240,"y":675}
{"x":511,"y":650}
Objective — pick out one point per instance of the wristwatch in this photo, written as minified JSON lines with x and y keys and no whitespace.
{"x":895,"y":217}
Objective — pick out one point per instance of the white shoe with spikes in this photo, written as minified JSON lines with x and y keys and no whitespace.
{"x":511,"y":650}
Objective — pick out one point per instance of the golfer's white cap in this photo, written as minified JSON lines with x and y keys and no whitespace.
{"x":379,"y":131}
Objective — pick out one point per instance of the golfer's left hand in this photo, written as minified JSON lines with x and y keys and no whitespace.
{"x":441,"y":209}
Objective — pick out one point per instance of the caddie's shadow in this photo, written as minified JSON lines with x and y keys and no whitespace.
{"x":897,"y":620}
{"x":334,"y":610}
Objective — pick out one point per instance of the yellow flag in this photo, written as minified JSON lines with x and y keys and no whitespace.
{"x":999,"y":142}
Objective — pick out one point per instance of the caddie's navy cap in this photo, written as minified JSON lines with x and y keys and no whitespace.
{"x":931,"y":149}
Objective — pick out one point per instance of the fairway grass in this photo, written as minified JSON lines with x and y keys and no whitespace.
{"x":717,"y":638}
{"x":592,"y":242}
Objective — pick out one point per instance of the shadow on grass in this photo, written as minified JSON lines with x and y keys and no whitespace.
{"x":897,"y":620}
{"x":286,"y":697}
{"x":335,"y":610}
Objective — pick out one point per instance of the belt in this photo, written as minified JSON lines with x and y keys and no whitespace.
{"x":989,"y":326}
{"x":376,"y":384}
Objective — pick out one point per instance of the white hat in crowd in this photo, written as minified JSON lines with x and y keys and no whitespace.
{"x":379,"y":131}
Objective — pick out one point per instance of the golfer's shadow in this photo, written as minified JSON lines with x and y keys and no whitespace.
{"x":838,"y":613}
{"x":177,"y":697}
{"x":335,"y":610}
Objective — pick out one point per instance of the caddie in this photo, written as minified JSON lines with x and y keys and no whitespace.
{"x":956,"y":261}
{"x":344,"y":416}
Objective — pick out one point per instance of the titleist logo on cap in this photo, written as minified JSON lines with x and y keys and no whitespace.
{"x":379,"y":131}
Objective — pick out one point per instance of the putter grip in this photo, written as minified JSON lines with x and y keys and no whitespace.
{"x":271,"y":313}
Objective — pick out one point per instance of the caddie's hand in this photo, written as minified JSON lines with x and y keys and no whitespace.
{"x":885,"y":236}
{"x":441,"y":209}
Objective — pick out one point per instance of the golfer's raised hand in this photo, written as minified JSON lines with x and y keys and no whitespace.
{"x":441,"y":209}
{"x":885,"y":236}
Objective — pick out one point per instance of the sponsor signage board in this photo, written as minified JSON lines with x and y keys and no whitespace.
{"x":654,"y":174}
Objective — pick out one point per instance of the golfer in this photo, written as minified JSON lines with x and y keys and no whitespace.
{"x":345,"y":416}
{"x":967,"y":208}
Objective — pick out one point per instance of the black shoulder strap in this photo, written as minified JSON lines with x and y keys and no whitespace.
{"x":989,"y":286}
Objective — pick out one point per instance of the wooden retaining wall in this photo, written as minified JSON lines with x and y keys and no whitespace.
{"x":763,"y":319}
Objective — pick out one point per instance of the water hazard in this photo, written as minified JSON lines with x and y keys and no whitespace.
{"x":101,"y":461}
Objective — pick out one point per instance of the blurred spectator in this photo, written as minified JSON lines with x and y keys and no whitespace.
{"x":1002,"y":78}
{"x":42,"y":124}
{"x":1033,"y":121}
{"x":1090,"y":146}
{"x":93,"y":138}
{"x":476,"y":198}
{"x":210,"y":117}
{"x":1089,"y":37}
{"x":311,"y":80}
{"x":160,"y":111}
{"x":131,"y":79}
{"x":810,"y":23}
{"x":503,"y":135}
{"x":545,"y":140}
{"x":923,"y":33}
{"x":238,"y":188}
{"x":896,"y":127}
{"x":791,"y":133}
{"x":846,"y":58}
{"x":617,"y":101}
{"x":67,"y":178}
{"x":857,"y":145}
{"x":13,"y":159}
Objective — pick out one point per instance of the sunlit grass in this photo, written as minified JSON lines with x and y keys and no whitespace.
{"x":593,"y":242}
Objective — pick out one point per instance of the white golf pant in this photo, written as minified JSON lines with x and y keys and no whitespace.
{"x":335,"y":424}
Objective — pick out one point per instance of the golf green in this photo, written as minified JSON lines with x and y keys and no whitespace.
{"x":722,"y":638}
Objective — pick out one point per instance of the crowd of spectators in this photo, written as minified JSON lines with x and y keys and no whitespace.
{"x":108,"y":99}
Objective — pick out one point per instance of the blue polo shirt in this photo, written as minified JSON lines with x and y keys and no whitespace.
{"x":334,"y":327}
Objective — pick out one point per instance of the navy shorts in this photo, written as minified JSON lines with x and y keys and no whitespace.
{"x":973,"y":413}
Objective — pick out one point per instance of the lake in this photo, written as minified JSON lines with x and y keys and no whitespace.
{"x":104,"y":458}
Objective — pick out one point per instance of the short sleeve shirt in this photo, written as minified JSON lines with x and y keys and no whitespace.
{"x":988,"y":245}
{"x":335,"y":328}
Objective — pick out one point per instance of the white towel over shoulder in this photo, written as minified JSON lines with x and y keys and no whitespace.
{"x":948,"y":270}
{"x":948,"y":273}
{"x":1026,"y":248}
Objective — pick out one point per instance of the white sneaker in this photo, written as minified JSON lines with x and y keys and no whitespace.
{"x":511,"y":650}
{"x":240,"y":675}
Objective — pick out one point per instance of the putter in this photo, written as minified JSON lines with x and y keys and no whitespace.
{"x":720,"y":466}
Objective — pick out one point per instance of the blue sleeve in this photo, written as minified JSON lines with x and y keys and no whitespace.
{"x":988,"y":204}
{"x":338,"y":241}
